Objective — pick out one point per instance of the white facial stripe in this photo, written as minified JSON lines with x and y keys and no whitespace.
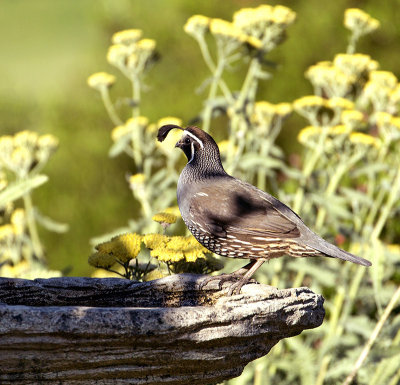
{"x":195,"y":138}
{"x":192,"y":150}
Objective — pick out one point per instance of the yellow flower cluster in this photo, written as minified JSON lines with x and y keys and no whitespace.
{"x":325,"y":76}
{"x":165,"y":218}
{"x":382,"y":91}
{"x":197,"y":25}
{"x":137,"y":181}
{"x":359,"y":138}
{"x":129,"y":53}
{"x":359,"y":22}
{"x":355,"y":65}
{"x":227,"y":31}
{"x":308,"y":133}
{"x":26,"y":150}
{"x":388,"y":126}
{"x":352,"y":118}
{"x":174,"y":249}
{"x":264,"y":112}
{"x":266,"y":23}
{"x":309,"y":105}
{"x":101,"y":80}
{"x":120,"y":248}
{"x":126,"y":37}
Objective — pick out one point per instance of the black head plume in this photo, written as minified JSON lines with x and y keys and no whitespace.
{"x":164,"y":130}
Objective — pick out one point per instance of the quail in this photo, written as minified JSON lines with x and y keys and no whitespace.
{"x":235,"y":219}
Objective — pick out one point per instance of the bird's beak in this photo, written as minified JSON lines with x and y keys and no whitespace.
{"x":178,"y":144}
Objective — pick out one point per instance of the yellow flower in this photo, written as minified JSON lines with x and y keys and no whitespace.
{"x":283,"y":109}
{"x":329,"y":78}
{"x":26,"y":139}
{"x":48,"y":142}
{"x":120,"y":131}
{"x":395,"y":95}
{"x":283,"y":15}
{"x":382,"y":118}
{"x":383,"y":79}
{"x":173,"y":210}
{"x":46,"y":146}
{"x":137,"y":181}
{"x":169,"y":120}
{"x":354,"y":65}
{"x":21,"y":160}
{"x":103,"y":260}
{"x":6,"y":144}
{"x":146,"y":45}
{"x":265,"y":23}
{"x":308,"y":106}
{"x":155,"y":274}
{"x":197,"y":25}
{"x":226,"y":29}
{"x":138,"y":121}
{"x":164,"y":218}
{"x":126,"y":37}
{"x":340,"y":129}
{"x":309,"y":101}
{"x":395,"y":121}
{"x":308,"y":133}
{"x":364,"y":139}
{"x":154,"y":241}
{"x":124,"y":247}
{"x":18,"y":221}
{"x":167,"y":255}
{"x":101,"y":80}
{"x":352,"y":118}
{"x":225,"y":146}
{"x":6,"y":233}
{"x":359,"y":22}
{"x":340,"y":103}
{"x":264,"y":111}
{"x":177,"y":248}
{"x":117,"y":55}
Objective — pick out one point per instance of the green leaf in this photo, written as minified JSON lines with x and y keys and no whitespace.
{"x":50,"y":224}
{"x":335,"y":205}
{"x":250,"y":161}
{"x":19,"y":188}
{"x":119,"y":146}
{"x":354,"y":195}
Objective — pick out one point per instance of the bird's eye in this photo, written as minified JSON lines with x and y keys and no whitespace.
{"x":187,"y":141}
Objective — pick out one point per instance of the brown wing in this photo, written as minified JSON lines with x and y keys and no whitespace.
{"x":239,"y":208}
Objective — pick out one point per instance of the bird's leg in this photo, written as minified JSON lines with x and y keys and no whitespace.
{"x":237,"y":286}
{"x":239,"y":274}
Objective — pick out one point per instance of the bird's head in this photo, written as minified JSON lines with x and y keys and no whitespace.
{"x":199,"y":147}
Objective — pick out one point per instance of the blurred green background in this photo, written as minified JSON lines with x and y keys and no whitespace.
{"x":49,"y":48}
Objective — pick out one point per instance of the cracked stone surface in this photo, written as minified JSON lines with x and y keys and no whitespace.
{"x":114,"y":331}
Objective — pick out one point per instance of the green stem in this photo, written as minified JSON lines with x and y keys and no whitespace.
{"x":211,"y":66}
{"x":351,"y":48}
{"x":112,"y":113}
{"x":135,"y":96}
{"x":385,"y":212}
{"x":373,"y":337}
{"x":308,"y":168}
{"x":212,"y":93}
{"x":341,"y":169}
{"x":33,"y":232}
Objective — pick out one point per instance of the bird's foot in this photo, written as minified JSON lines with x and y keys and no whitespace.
{"x":235,"y":277}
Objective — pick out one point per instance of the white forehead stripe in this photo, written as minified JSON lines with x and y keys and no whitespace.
{"x":195,"y":138}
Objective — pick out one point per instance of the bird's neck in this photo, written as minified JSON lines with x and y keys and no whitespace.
{"x":201,"y":168}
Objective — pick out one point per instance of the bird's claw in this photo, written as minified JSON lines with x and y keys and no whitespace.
{"x":235,"y":287}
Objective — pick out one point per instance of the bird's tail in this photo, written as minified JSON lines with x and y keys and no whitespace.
{"x":332,"y":251}
{"x":335,"y":252}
